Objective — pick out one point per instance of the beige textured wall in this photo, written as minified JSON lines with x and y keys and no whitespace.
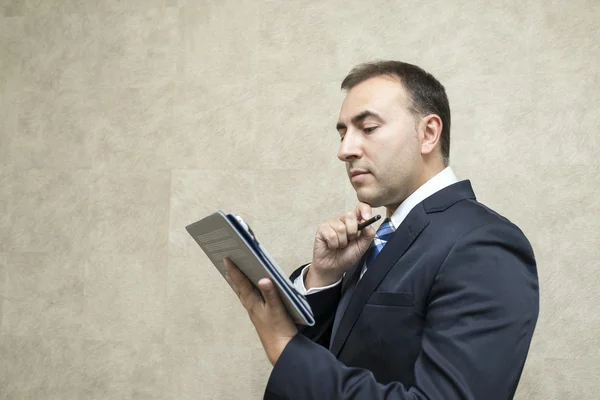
{"x":123,"y":121}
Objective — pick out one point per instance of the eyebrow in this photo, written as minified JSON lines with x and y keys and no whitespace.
{"x":358,"y":118}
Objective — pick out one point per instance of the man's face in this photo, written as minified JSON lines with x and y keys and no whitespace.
{"x":380,"y":145}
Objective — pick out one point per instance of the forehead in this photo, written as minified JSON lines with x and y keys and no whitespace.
{"x":383,"y":94}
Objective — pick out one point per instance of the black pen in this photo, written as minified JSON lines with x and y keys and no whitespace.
{"x":368,"y":222}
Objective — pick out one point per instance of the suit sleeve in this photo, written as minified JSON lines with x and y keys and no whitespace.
{"x":323,"y":305}
{"x":481,"y":314}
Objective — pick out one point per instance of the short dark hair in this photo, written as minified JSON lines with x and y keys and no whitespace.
{"x":427,"y":94}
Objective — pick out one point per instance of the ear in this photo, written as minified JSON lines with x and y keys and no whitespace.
{"x":431,"y":131}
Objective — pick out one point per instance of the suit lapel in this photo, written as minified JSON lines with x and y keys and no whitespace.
{"x":400,"y":241}
{"x":348,"y":286}
{"x":353,"y":273}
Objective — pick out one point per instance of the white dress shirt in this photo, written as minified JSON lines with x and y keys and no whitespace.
{"x":443,"y":179}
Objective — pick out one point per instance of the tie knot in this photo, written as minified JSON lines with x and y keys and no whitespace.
{"x":385,"y":230}
{"x":383,"y":234}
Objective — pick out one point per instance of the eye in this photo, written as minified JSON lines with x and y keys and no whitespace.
{"x":370,"y":129}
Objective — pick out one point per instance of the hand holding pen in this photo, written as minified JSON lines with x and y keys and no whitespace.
{"x":339,"y":243}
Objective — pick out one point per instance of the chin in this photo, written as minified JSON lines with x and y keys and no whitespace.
{"x":365,"y":196}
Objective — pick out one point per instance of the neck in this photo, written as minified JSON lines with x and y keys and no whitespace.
{"x":428,"y":171}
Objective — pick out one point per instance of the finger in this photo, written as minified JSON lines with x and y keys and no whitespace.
{"x":351,"y":226}
{"x":241,"y":285}
{"x":363,"y":211}
{"x":269,"y":293}
{"x":329,"y":235}
{"x":340,"y":230}
{"x":232,"y":275}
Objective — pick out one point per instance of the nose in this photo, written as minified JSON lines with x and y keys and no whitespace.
{"x":351,"y":146}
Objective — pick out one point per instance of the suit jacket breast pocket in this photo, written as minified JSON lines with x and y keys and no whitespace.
{"x":390,"y":326}
{"x":394,"y":299}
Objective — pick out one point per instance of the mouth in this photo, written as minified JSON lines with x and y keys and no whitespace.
{"x":357,"y":172}
{"x":359,"y":175}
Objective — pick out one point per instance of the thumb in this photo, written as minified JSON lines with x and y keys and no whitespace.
{"x":269,"y":293}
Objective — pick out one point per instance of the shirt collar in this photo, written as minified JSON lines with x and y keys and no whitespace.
{"x":443,"y":179}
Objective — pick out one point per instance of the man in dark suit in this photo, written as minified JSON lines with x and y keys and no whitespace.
{"x":440,"y":303}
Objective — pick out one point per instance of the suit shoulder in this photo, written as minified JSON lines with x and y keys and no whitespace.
{"x":480,"y":215}
{"x":500,"y":227}
{"x":470,"y":217}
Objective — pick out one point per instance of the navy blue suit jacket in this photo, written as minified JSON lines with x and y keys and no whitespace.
{"x":446,"y":311}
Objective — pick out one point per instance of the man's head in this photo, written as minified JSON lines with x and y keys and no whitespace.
{"x":395,"y":125}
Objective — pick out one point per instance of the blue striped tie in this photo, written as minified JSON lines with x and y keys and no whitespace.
{"x":384,"y":233}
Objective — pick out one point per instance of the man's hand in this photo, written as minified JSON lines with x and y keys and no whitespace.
{"x":271,"y":320}
{"x":338,"y":245}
